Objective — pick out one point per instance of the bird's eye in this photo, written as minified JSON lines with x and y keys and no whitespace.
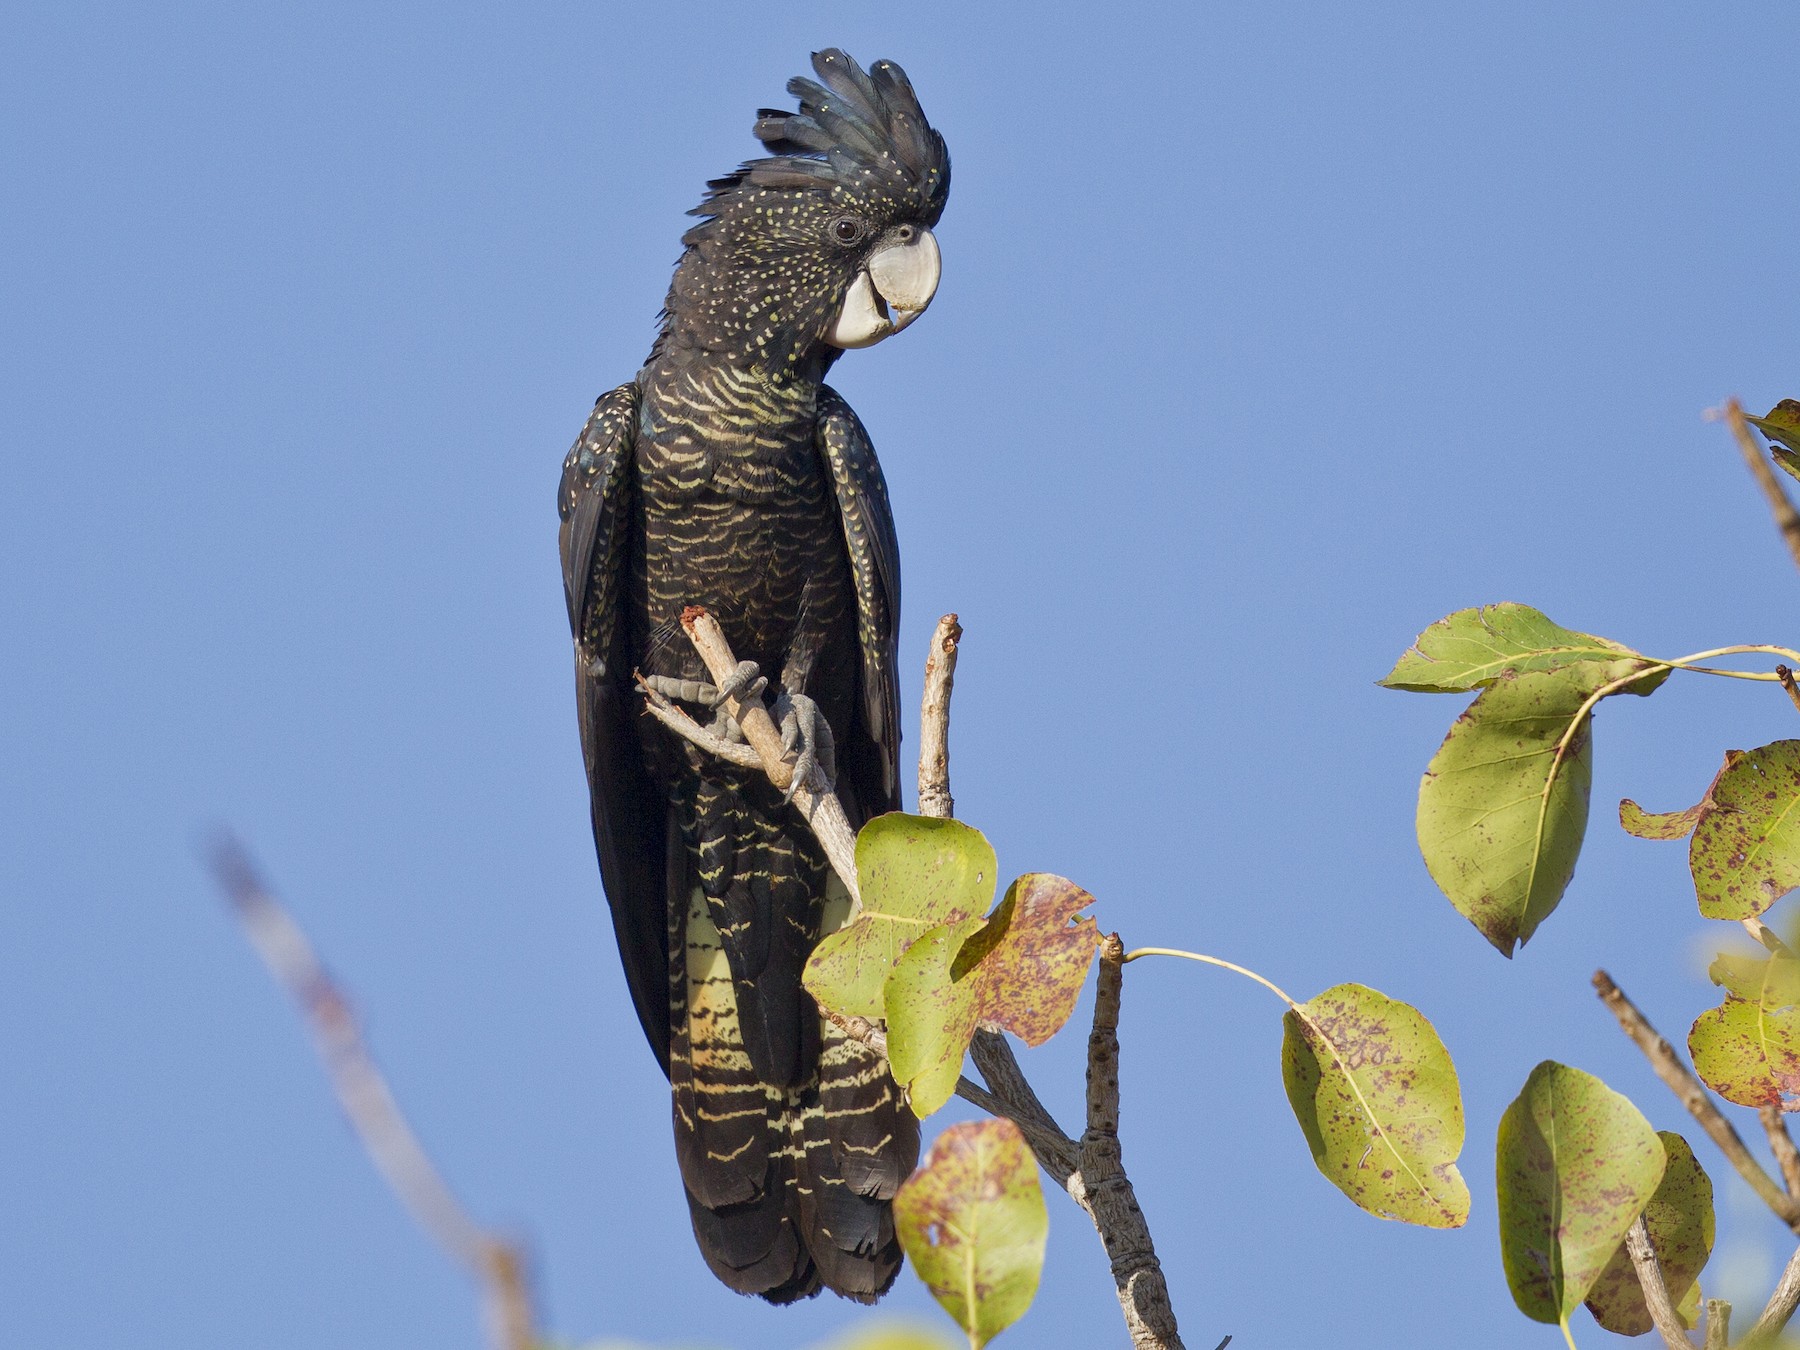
{"x":847,"y":229}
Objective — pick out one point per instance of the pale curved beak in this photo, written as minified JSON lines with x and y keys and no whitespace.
{"x":904,"y":276}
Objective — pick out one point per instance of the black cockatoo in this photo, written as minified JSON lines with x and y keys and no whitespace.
{"x":727,"y":474}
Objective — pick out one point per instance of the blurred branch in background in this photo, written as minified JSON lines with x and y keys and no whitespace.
{"x":496,"y":1265}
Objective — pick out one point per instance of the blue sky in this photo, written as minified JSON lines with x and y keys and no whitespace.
{"x":1267,"y":335}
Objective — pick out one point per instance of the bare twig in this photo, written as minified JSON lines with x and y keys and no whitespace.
{"x":496,"y":1265}
{"x":1781,"y":1305}
{"x":1107,"y":1194}
{"x":1656,"y":1289}
{"x":1767,"y":936}
{"x":815,"y":798}
{"x":934,"y":721}
{"x":1785,"y":674}
{"x":1781,"y":1143}
{"x":1694,"y":1096}
{"x":672,"y":717}
{"x":1718,"y":1324}
{"x":1787,"y":519}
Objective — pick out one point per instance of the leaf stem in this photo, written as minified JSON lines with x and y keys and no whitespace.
{"x":1270,"y":985}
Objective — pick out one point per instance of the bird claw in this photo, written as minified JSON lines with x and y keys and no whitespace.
{"x":746,"y":682}
{"x":807,"y":736}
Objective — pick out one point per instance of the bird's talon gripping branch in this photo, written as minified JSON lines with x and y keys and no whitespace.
{"x":746,"y":682}
{"x":807,"y":735}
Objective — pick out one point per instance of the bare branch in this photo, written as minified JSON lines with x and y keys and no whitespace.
{"x":1656,"y":1290}
{"x":496,"y":1265}
{"x":1785,"y":674}
{"x":1781,"y":1143}
{"x":934,"y":721}
{"x":1718,"y":1324}
{"x":1694,"y":1096}
{"x":815,"y":798}
{"x":1107,"y":1193}
{"x":677,"y":721}
{"x":1787,"y":519}
{"x":1781,"y":1305}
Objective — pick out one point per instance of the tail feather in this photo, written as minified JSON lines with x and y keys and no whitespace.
{"x":789,"y":1183}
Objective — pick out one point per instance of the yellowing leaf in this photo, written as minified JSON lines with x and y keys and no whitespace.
{"x":1022,"y":970}
{"x":1575,"y":1165}
{"x":1745,"y":854}
{"x":1376,"y":1094}
{"x":915,"y":872}
{"x":1748,"y":1048}
{"x":1679,"y":1219}
{"x":1782,"y":426}
{"x":973,"y":1224}
{"x":1472,"y":648}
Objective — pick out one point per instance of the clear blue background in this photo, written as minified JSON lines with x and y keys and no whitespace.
{"x":1268,"y":334}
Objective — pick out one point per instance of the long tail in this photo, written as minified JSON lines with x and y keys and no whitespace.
{"x":791,"y":1138}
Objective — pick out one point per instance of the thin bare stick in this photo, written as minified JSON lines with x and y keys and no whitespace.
{"x":1787,"y":519}
{"x":1781,"y":1143}
{"x":677,"y":721}
{"x":815,"y":798}
{"x":1718,"y":1324}
{"x":1766,"y":935}
{"x":1786,"y":675}
{"x":497,"y":1266}
{"x":934,"y":721}
{"x":1137,"y":1274}
{"x":1780,"y":1307}
{"x":1092,"y":1171}
{"x":1696,"y":1099}
{"x":1656,"y":1289}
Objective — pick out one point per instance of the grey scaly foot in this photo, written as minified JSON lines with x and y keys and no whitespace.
{"x":805,"y":730}
{"x":745,"y":682}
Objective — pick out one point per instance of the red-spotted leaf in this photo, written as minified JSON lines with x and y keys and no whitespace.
{"x":1472,"y":648}
{"x":915,"y":872}
{"x":1748,"y":1048}
{"x":972,"y":1222}
{"x":1745,"y":853}
{"x":1633,"y":819}
{"x":1782,"y":427}
{"x":1376,"y":1095}
{"x":1032,"y":956}
{"x":1022,"y":970}
{"x":1679,"y":1219}
{"x":1575,"y":1165}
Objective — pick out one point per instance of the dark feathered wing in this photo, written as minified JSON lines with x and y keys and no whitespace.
{"x":871,"y":759}
{"x":629,"y":817}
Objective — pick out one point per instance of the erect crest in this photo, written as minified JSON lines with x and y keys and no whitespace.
{"x":858,"y":130}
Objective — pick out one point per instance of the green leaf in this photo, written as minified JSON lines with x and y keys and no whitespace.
{"x":931,"y":1016}
{"x":1575,"y":1165}
{"x":1376,"y":1095}
{"x":1748,"y":1048}
{"x":1021,"y":970}
{"x":973,"y":1224}
{"x":915,"y":872}
{"x":1501,"y":814}
{"x":1472,"y":648}
{"x":1679,"y":1219}
{"x":1746,"y":849}
{"x":1782,"y":426}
